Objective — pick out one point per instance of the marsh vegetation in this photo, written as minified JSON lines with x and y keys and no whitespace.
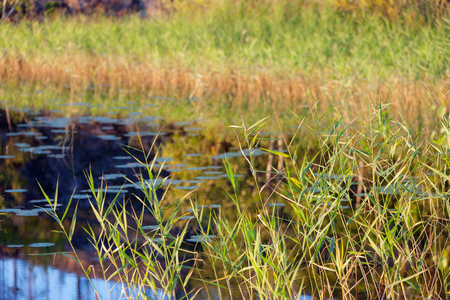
{"x":230,"y":149}
{"x":366,"y":216}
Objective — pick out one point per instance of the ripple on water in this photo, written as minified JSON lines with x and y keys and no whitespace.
{"x":36,"y":150}
{"x":150,"y":227}
{"x":177,"y":166}
{"x":9,"y":210}
{"x":80,"y":196}
{"x":164,"y":159}
{"x":14,"y":246}
{"x":183,"y":123}
{"x":22,"y":145}
{"x":60,"y":131}
{"x":204,"y":168}
{"x":227,"y":155}
{"x":108,"y":137}
{"x":210,"y":206}
{"x":41,"y":245}
{"x":185,"y":187}
{"x":122,"y":157}
{"x":144,"y":133}
{"x":15,"y":191}
{"x":134,"y":165}
{"x":40,"y":201}
{"x":28,"y":213}
{"x":112,"y":176}
{"x":57,"y":155}
{"x":200,"y":238}
{"x":213,"y":173}
{"x":193,"y":154}
{"x":236,"y":175}
{"x":207,"y":177}
{"x":23,"y":133}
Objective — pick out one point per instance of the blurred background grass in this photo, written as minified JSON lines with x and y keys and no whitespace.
{"x":237,"y":57}
{"x":285,"y":37}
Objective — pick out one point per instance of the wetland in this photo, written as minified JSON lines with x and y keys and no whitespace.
{"x":225,"y":149}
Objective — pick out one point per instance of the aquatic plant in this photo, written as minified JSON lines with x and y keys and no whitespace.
{"x":366,"y":215}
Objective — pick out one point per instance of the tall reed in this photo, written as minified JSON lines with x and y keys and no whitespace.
{"x":366,"y":216}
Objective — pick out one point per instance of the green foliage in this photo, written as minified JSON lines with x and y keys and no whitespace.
{"x":304,"y":40}
{"x":388,"y":238}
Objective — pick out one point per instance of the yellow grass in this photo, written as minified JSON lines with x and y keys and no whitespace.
{"x":267,"y":90}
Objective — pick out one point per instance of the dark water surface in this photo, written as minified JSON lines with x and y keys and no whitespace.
{"x":48,"y":147}
{"x":43,"y":148}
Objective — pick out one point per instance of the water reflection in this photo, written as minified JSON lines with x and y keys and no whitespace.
{"x":45,"y":147}
{"x":20,"y":279}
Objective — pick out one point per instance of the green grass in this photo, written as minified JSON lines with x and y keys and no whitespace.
{"x":284,"y":38}
{"x":392,"y":242}
{"x":239,"y":59}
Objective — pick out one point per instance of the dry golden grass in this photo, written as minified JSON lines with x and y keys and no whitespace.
{"x":268,"y":90}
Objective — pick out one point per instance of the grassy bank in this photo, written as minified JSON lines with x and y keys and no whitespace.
{"x":280,"y":38}
{"x":283,"y":53}
{"x":365,"y":217}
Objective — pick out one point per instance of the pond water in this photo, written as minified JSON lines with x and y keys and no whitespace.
{"x":42,"y":149}
{"x":22,"y":279}
{"x":39,"y":149}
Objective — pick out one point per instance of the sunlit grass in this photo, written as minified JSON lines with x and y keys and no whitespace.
{"x":283,"y":38}
{"x":367,"y":216}
{"x":230,"y":59}
{"x":283,"y":51}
